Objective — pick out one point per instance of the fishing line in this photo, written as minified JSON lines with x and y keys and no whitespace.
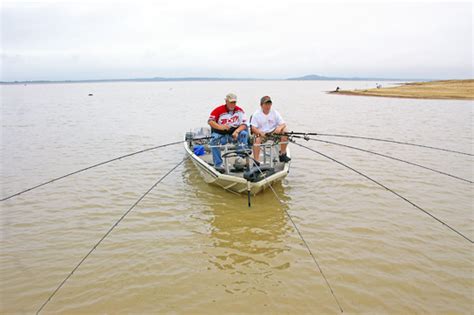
{"x":301,"y":237}
{"x":88,"y":168}
{"x":374,"y":139}
{"x":390,"y":157}
{"x":106,"y":234}
{"x":390,"y":190}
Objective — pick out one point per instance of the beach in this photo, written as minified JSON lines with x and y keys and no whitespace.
{"x":446,"y":89}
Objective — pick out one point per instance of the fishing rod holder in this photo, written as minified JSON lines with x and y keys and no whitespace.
{"x":292,"y":137}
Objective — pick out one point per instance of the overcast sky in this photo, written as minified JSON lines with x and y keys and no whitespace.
{"x":60,"y":40}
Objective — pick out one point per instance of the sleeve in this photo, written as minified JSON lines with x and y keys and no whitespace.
{"x":278,"y":118}
{"x":214,"y":114}
{"x":254,"y":120}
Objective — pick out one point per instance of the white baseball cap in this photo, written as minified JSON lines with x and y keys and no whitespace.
{"x":231,"y":97}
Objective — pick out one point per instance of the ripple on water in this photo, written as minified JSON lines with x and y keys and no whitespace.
{"x":189,"y":247}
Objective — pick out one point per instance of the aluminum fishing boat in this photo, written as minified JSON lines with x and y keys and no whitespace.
{"x":240,"y":174}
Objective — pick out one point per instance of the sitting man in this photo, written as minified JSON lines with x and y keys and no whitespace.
{"x":264,"y":121}
{"x":227,"y":121}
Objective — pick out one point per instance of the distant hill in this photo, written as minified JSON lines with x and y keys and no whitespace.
{"x":318,"y":77}
{"x":311,"y":77}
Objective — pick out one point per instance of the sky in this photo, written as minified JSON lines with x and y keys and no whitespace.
{"x":272,"y":39}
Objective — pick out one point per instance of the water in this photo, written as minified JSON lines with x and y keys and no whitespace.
{"x":193,"y":248}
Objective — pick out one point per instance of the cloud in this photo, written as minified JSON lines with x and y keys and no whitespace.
{"x":274,"y":39}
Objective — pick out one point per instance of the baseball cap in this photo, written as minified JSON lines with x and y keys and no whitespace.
{"x":231,"y":97}
{"x":265,"y":99}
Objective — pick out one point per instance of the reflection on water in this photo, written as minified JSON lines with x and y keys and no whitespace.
{"x":249,"y":236}
{"x":245,"y":241}
{"x":248,"y":242}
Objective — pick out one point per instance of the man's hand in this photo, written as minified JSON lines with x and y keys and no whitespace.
{"x":225,"y":127}
{"x":235,"y":134}
{"x":279,"y":129}
{"x":258,"y":132}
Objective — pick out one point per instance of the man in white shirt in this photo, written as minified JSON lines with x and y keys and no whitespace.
{"x":267,"y":120}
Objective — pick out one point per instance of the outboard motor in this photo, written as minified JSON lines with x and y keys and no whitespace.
{"x":255,"y":174}
{"x":189,"y":138}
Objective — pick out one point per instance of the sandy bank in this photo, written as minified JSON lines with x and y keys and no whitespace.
{"x":449,"y":89}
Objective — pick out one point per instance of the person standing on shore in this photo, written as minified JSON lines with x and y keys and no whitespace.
{"x":264,"y":121}
{"x":227,"y":121}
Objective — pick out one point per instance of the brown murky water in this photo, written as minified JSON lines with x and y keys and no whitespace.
{"x":193,"y":248}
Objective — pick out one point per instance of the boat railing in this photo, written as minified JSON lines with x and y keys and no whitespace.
{"x":269,"y":151}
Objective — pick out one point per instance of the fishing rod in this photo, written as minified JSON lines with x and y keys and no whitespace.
{"x":371,"y":138}
{"x":388,"y":157}
{"x":90,"y":167}
{"x":390,"y":190}
{"x":105,"y":235}
{"x":299,"y":233}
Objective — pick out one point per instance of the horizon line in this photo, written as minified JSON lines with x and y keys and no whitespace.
{"x":311,"y":77}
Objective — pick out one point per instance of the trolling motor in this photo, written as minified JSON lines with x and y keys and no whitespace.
{"x":247,"y":161}
{"x":258,"y":173}
{"x":243,"y":154}
{"x":255,"y":174}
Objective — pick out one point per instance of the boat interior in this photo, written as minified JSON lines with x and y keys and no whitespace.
{"x":236,"y":161}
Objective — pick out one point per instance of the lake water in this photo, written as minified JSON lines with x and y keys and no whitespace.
{"x":193,"y":248}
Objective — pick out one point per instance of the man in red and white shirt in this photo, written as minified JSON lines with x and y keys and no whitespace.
{"x":227,"y":121}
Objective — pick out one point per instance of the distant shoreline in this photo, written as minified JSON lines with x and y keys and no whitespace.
{"x":446,"y":89}
{"x":187,"y":79}
{"x":130,"y":80}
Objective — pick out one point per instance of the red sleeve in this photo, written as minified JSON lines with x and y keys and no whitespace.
{"x":215,"y":113}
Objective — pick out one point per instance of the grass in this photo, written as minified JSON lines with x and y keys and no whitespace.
{"x":448,"y":89}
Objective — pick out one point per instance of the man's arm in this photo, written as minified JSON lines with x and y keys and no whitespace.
{"x":215,"y":125}
{"x":280,"y":128}
{"x":235,"y":134}
{"x":257,"y":132}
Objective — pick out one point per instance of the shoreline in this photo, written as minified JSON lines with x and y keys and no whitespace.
{"x":442,"y":90}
